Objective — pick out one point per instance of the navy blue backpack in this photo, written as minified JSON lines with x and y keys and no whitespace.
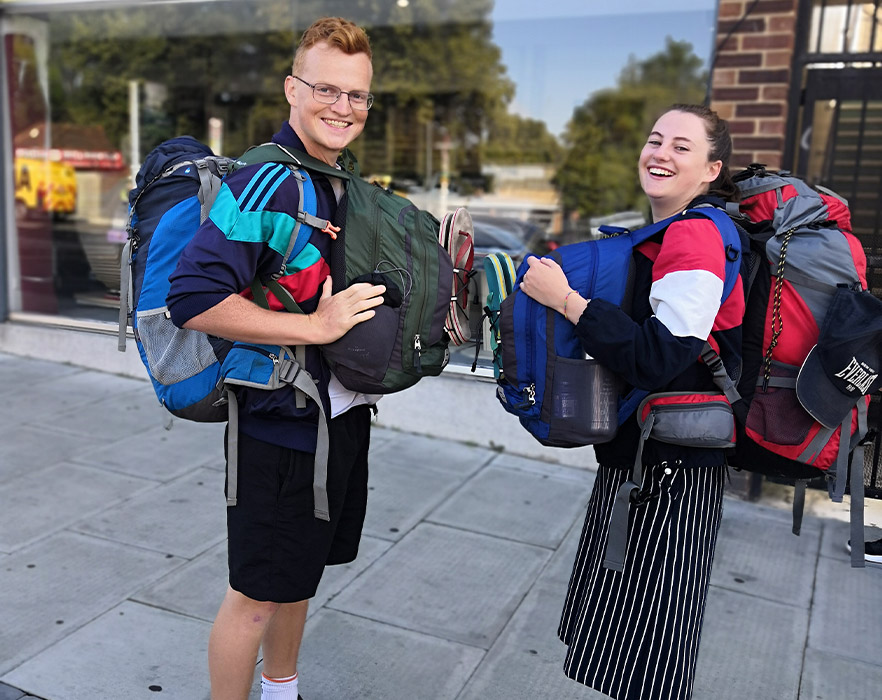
{"x":561,"y":397}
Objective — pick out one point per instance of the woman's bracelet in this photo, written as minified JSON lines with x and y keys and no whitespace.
{"x":566,"y":299}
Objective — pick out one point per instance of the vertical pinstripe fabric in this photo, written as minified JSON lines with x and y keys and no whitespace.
{"x":634,"y":635}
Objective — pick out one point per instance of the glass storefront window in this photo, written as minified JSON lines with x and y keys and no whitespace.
{"x":531,"y":115}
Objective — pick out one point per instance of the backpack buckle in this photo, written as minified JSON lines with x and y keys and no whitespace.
{"x":288,"y":371}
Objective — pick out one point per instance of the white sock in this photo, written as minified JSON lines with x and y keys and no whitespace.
{"x":278,"y":688}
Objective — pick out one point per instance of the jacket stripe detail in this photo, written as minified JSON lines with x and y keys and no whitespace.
{"x":272,"y":188}
{"x":680,"y":301}
{"x":689,"y":269}
{"x":304,"y":259}
{"x":225,"y":211}
{"x":273,"y":228}
{"x":731,"y":313}
{"x":268,"y":184}
{"x":302,"y":284}
{"x":252,"y":183}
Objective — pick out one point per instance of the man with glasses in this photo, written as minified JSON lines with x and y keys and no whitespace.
{"x":277,"y":548}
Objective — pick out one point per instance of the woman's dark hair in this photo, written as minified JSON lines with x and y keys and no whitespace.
{"x":720,"y":148}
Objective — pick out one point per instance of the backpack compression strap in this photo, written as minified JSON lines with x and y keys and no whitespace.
{"x":617,"y":536}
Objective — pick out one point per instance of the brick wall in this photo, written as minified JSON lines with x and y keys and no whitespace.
{"x":751,"y":78}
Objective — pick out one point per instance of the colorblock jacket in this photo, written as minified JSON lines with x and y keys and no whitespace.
{"x":676,"y":308}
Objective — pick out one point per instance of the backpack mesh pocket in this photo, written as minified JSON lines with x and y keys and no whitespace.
{"x":776,"y":414}
{"x":582,"y":404}
{"x":173,"y":354}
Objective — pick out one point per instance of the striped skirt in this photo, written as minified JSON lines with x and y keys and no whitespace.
{"x":635,"y":634}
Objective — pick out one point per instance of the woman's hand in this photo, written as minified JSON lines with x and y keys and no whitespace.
{"x":546,"y":282}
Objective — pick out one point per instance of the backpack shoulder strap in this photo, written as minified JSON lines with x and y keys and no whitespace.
{"x":276,"y":153}
{"x":644,"y":233}
{"x":731,"y":244}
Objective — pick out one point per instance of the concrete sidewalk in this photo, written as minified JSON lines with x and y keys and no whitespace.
{"x":112,"y":564}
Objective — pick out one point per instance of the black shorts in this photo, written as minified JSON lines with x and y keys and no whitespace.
{"x":277,"y":548}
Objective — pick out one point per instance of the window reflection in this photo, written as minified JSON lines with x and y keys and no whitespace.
{"x":526,"y":114}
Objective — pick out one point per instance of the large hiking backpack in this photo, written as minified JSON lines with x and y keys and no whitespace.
{"x":802,"y":255}
{"x":385,"y":238}
{"x":174,"y":190}
{"x":173,"y":194}
{"x":192,"y":374}
{"x":561,"y":397}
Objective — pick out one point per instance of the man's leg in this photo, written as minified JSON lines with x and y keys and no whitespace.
{"x":281,"y":643}
{"x":234,"y":642}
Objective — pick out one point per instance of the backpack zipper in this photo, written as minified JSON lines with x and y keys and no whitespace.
{"x":375,"y":195}
{"x":529,"y":391}
{"x":417,"y":348}
{"x":680,"y":408}
{"x":417,"y":340}
{"x":266,"y":353}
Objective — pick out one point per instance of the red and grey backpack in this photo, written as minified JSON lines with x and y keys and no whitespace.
{"x":802,"y":254}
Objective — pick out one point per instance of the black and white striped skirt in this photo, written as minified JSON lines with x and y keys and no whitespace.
{"x":635,"y":634}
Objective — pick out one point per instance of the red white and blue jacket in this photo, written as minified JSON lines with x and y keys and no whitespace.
{"x":676,"y":308}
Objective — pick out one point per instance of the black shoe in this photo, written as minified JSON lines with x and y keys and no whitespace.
{"x":872,"y":551}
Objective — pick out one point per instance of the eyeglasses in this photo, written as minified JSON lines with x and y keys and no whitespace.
{"x":328,"y":95}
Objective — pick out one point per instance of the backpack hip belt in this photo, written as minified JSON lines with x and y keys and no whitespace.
{"x":691,"y":419}
{"x":272,"y":367}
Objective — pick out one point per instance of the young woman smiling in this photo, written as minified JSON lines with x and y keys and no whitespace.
{"x":635,"y":633}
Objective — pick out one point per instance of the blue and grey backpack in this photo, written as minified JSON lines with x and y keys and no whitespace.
{"x":193,"y":374}
{"x":174,"y":191}
{"x":561,"y":397}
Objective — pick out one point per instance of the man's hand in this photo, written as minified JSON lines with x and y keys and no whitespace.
{"x":337,"y":313}
{"x":241,"y":319}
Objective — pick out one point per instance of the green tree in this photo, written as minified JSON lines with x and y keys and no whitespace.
{"x":436,"y":70}
{"x":515,"y":139}
{"x":604,"y":137}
